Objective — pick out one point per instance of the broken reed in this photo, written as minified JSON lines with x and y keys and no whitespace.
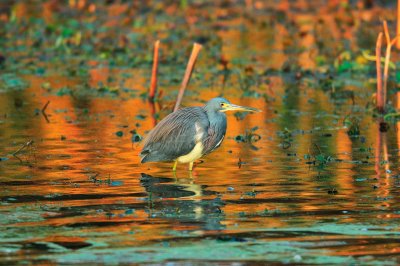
{"x":154,"y":72}
{"x":381,"y":93}
{"x":186,"y":78}
{"x":380,"y":104}
{"x":188,"y":73}
{"x":398,"y":24}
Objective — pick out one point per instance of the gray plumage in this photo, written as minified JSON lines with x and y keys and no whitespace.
{"x":175,"y":135}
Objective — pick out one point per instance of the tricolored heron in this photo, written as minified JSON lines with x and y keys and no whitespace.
{"x":189,"y":133}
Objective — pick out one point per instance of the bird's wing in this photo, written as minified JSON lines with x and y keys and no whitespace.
{"x":214,"y":138}
{"x":175,"y":135}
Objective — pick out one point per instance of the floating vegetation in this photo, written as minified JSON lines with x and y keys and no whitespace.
{"x":12,"y":82}
{"x":353,"y":126}
{"x":136,"y":137}
{"x":249,"y":136}
{"x":287,"y":138}
{"x":75,"y":82}
{"x":318,"y":159}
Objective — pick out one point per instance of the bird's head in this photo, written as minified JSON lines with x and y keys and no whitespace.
{"x":223,"y":105}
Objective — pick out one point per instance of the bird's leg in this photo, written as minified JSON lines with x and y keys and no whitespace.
{"x":174,"y":167}
{"x":190,"y":166}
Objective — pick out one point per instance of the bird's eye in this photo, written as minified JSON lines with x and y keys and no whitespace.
{"x":222,"y":104}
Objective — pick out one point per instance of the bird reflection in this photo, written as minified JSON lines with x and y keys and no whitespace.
{"x":182,"y":200}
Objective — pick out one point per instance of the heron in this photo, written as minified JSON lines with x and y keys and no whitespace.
{"x":189,"y":133}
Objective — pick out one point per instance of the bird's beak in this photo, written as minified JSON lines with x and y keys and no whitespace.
{"x":234,"y":107}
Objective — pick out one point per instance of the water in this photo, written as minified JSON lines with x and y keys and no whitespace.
{"x":312,"y":179}
{"x":79,"y":193}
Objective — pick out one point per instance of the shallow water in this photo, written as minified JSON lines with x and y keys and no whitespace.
{"x":79,"y":193}
{"x":288,"y":185}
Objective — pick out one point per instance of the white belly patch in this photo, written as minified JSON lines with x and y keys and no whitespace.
{"x":197,"y":151}
{"x":192,"y":156}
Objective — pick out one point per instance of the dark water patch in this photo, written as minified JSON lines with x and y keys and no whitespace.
{"x":74,"y":245}
{"x":93,"y":62}
{"x":268,"y":200}
{"x":360,"y":242}
{"x":106,"y":224}
{"x":20,"y":183}
{"x":73,"y":197}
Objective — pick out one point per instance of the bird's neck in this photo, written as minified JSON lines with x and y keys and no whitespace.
{"x":217,"y":119}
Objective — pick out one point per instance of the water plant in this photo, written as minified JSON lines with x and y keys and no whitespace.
{"x":153,"y":82}
{"x":381,"y":94}
{"x":188,"y":73}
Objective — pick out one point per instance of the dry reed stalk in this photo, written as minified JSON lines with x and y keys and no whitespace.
{"x":387,"y":61}
{"x":154,"y":72}
{"x":188,"y":73}
{"x":379,"y":93}
{"x":389,"y":44}
{"x":398,"y":24}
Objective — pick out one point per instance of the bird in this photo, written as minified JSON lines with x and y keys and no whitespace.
{"x":189,"y":133}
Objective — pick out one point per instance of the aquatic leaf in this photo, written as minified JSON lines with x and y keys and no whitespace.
{"x":353,"y":125}
{"x":40,"y":71}
{"x":116,"y":183}
{"x":140,"y":117}
{"x":249,"y":136}
{"x":333,"y":191}
{"x":129,"y":211}
{"x":370,"y":57}
{"x":344,"y":66}
{"x":46,"y":86}
{"x":135,"y":136}
{"x":321,"y":158}
{"x":393,"y":116}
{"x":119,"y":133}
{"x":63,"y":91}
{"x":11,"y":82}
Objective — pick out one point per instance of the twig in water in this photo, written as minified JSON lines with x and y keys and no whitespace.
{"x":319,"y":150}
{"x":44,"y":111}
{"x":45,"y":106}
{"x":23,"y":147}
{"x":154,"y":72}
{"x":189,"y":69}
{"x":29,"y":143}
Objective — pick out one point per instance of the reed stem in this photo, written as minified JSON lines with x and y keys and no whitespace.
{"x":188,"y":73}
{"x":380,"y":104}
{"x":154,"y":72}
